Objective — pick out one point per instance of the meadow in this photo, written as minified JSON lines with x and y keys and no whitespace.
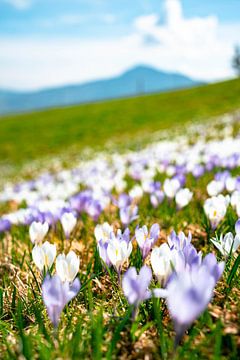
{"x":149,"y":224}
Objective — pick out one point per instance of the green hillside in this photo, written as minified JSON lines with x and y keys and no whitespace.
{"x":31,"y":136}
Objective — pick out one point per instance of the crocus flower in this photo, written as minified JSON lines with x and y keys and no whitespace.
{"x":68,"y":221}
{"x":67,"y":266}
{"x":227,"y":244}
{"x":183,"y":197}
{"x":136,"y":192}
{"x":164,"y":261}
{"x":102,"y":250}
{"x":189,"y":292}
{"x":215,"y":208}
{"x":170,"y":187}
{"x":135,"y":286}
{"x":180,"y":241}
{"x":237,"y":227}
{"x":118,"y":252}
{"x":215,"y":187}
{"x":38,"y":231}
{"x":103,"y":231}
{"x":128,"y":214}
{"x":157,"y":198}
{"x":5,"y":225}
{"x":146,"y":240}
{"x":56,"y":294}
{"x":44,"y":255}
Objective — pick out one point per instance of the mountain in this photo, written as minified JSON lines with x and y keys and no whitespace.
{"x":139,"y":80}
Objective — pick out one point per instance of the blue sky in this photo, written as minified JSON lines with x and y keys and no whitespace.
{"x":96,"y":18}
{"x":54,"y":42}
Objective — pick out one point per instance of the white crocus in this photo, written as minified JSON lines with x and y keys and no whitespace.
{"x":102,"y":232}
{"x":215,"y":187}
{"x":136,"y":192}
{"x":118,"y":252}
{"x":215,"y":208}
{"x":68,"y":221}
{"x":163,"y":261}
{"x":44,"y":255}
{"x":235,"y":199}
{"x":170,"y":187}
{"x":183,"y":197}
{"x":227,"y":244}
{"x":230,"y":184}
{"x":67,"y":266}
{"x":37,"y":231}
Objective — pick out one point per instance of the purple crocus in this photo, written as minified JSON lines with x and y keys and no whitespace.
{"x":102,"y":249}
{"x":237,"y":227}
{"x":56,"y":294}
{"x":189,"y":292}
{"x":128,"y":214}
{"x":198,"y":171}
{"x":5,"y":225}
{"x":146,"y":240}
{"x":135,"y":286}
{"x":179,"y":241}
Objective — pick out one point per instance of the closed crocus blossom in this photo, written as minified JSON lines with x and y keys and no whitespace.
{"x":183,"y":197}
{"x":215,"y":187}
{"x":67,"y":266}
{"x":170,"y":187}
{"x":164,"y":261}
{"x":128,"y":214}
{"x":56,"y":294}
{"x":215,"y":208}
{"x":102,"y":232}
{"x":135,"y":286}
{"x":118,"y":252}
{"x":180,"y":241}
{"x":38,"y":231}
{"x":227,"y":244}
{"x":146,"y":240}
{"x":237,"y":227}
{"x":44,"y":255}
{"x":68,"y":221}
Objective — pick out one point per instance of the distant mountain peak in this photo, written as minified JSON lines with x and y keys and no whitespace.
{"x":137,"y":80}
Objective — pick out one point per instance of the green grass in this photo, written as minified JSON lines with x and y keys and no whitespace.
{"x":36,"y":135}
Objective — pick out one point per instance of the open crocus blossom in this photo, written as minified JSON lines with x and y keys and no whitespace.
{"x":37,"y":231}
{"x":227,"y":244}
{"x":135,"y":286}
{"x":67,"y":266}
{"x":146,"y":240}
{"x":189,"y":292}
{"x":68,"y":221}
{"x":56,"y":294}
{"x":44,"y":255}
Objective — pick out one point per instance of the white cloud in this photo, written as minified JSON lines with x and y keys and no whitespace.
{"x":19,"y":4}
{"x":199,"y":47}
